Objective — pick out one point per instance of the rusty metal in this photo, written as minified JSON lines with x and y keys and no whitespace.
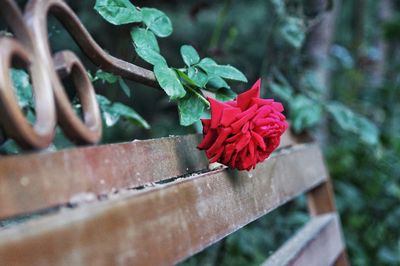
{"x":30,"y":47}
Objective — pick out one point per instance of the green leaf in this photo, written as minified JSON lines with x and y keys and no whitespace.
{"x":146,"y":46}
{"x":118,"y":12}
{"x":124,"y":87}
{"x":198,"y":76}
{"x":305,"y":113}
{"x":349,"y":121}
{"x":150,"y":56}
{"x":157,"y":22}
{"x":60,"y":141}
{"x":389,"y":255}
{"x":217,"y":82}
{"x":185,"y":78}
{"x":91,"y":78}
{"x":368,"y":131}
{"x":189,"y":55}
{"x":282,"y":91}
{"x":169,"y":81}
{"x":110,"y":117}
{"x":111,"y":79}
{"x":10,"y":147}
{"x":224,"y":71}
{"x":22,"y":87}
{"x":113,"y":112}
{"x":292,"y":31}
{"x":279,"y":7}
{"x":30,"y":116}
{"x":105,"y":77}
{"x":102,"y":100}
{"x":144,"y":38}
{"x":190,"y":108}
{"x":343,"y":116}
{"x":311,"y":82}
{"x":225,"y":95}
{"x":129,"y":114}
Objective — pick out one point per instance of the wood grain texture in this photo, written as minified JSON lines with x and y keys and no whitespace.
{"x":165,"y":224}
{"x":318,"y":243}
{"x":321,"y":200}
{"x":41,"y":180}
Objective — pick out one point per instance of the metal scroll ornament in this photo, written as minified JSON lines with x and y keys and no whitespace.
{"x":30,"y":49}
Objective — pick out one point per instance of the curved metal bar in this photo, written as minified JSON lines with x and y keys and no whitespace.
{"x":36,"y":10}
{"x":15,"y":124}
{"x":15,"y":20}
{"x":12,"y":119}
{"x":32,"y":48}
{"x":89,"y":131}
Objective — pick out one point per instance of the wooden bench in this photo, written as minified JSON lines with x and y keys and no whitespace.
{"x":154,"y":202}
{"x":150,"y":202}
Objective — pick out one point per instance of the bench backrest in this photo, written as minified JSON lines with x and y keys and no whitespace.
{"x":155,"y":202}
{"x":151,"y":202}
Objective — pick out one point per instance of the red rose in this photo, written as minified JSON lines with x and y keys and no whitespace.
{"x":243,"y":132}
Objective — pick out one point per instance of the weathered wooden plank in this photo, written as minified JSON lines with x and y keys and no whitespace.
{"x":318,"y":243}
{"x":165,"y":224}
{"x":34,"y":181}
{"x":321,"y":200}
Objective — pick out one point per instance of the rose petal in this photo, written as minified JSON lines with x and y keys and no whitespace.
{"x":228,"y":116}
{"x":232,"y":103}
{"x":233,"y":163}
{"x":208,"y":140}
{"x":263,"y":112}
{"x":277,"y":106}
{"x":243,"y":118}
{"x":243,"y":141}
{"x":217,"y":155}
{"x":258,"y":140}
{"x":218,"y":142}
{"x":261,"y":102}
{"x":245,"y":162}
{"x":229,"y":149}
{"x":234,"y":138}
{"x":206,"y":125}
{"x":216,"y":111}
{"x":252,"y":150}
{"x":245,"y":98}
{"x":251,"y":110}
{"x":265,"y":121}
{"x":245,"y":128}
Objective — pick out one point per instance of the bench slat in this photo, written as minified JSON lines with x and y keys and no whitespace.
{"x":318,"y":243}
{"x":167,"y":223}
{"x":34,"y":181}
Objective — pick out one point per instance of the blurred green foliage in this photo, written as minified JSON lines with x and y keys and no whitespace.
{"x":265,"y":39}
